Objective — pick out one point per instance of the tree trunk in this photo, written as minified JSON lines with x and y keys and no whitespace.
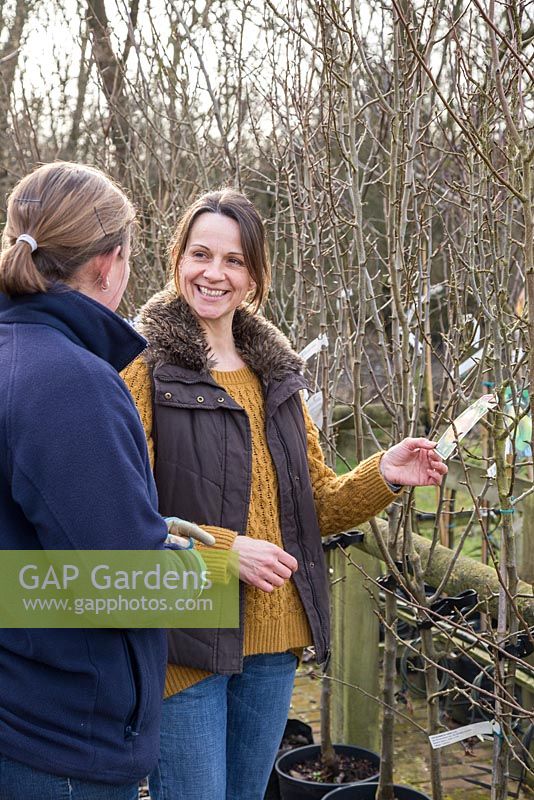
{"x":111,"y":69}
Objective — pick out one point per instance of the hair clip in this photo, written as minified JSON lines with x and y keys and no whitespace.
{"x":100,"y":221}
{"x":26,"y":200}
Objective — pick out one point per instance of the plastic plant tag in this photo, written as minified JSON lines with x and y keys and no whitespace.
{"x":463,"y":424}
{"x":486,"y":728}
{"x":314,"y":347}
{"x":315,"y":407}
{"x":492,"y":471}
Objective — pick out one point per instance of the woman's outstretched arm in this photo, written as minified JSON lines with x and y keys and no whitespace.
{"x":343,"y":501}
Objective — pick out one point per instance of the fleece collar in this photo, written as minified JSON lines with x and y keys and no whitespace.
{"x":175,"y":337}
{"x":84,"y":321}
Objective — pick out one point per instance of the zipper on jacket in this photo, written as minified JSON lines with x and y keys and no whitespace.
{"x":129,"y":728}
{"x":243,"y":525}
{"x":297,"y":518}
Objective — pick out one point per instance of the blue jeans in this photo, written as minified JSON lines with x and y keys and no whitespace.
{"x":219,"y":738}
{"x":20,"y":782}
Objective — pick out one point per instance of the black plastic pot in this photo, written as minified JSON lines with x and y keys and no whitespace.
{"x":367,"y":791}
{"x":456,"y":704}
{"x":294,"y":728}
{"x":297,"y":789}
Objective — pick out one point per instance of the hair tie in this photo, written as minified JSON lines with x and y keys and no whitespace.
{"x":25,"y":237}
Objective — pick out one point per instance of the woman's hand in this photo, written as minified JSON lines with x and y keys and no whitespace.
{"x":413,"y":462}
{"x":263,"y":564}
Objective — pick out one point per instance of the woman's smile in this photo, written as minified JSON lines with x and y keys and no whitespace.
{"x":212,"y":294}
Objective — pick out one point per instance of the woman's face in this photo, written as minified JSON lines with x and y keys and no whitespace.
{"x":214,"y":279}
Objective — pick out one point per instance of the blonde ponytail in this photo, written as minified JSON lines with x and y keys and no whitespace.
{"x":18,"y":273}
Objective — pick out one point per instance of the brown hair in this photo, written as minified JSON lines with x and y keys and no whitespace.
{"x":233,"y":204}
{"x":74,"y":213}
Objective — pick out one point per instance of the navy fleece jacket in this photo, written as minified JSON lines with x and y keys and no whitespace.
{"x":75,"y":473}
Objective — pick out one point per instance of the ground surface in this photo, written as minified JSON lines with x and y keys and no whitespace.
{"x":411,"y":748}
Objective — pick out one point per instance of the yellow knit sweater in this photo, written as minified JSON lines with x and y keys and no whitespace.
{"x":276,"y":621}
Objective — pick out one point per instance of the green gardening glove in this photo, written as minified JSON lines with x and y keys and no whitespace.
{"x":182,"y":534}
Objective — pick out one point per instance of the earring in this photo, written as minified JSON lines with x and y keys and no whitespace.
{"x":104,"y":286}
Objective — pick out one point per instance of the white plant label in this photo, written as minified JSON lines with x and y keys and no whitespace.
{"x":463,"y":424}
{"x":315,"y":407}
{"x":487,"y":728}
{"x":314,"y":347}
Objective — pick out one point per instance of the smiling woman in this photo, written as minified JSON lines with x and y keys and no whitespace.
{"x":232,"y":234}
{"x":219,"y":393}
{"x":213,"y":275}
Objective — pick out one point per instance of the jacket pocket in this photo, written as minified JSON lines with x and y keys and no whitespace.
{"x":139,"y":688}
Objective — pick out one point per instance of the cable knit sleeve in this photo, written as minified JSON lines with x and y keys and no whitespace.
{"x":138,"y":380}
{"x":343,"y":501}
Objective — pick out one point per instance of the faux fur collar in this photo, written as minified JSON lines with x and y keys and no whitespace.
{"x":175,"y":337}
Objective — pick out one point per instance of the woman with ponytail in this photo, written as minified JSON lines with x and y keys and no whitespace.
{"x":79,"y":709}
